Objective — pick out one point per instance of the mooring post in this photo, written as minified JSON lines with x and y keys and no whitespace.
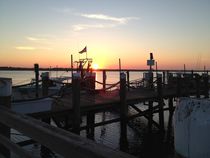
{"x":206,"y":85}
{"x":36,"y":70}
{"x":164,"y":77}
{"x":167,"y":75}
{"x":123,"y":113}
{"x":104,"y":80}
{"x":160,"y":102}
{"x":45,"y":83}
{"x":179,"y":85}
{"x":197,"y":78}
{"x":90,"y":125}
{"x":192,"y":74}
{"x":128,"y":79}
{"x":5,"y":100}
{"x":76,"y":80}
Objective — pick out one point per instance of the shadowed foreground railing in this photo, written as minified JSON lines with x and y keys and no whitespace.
{"x":60,"y":141}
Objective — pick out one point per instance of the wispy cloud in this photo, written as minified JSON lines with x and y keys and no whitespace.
{"x":111,"y":21}
{"x":80,"y":27}
{"x":35,"y":39}
{"x":121,"y":20}
{"x":29,"y":48}
{"x":25,"y":48}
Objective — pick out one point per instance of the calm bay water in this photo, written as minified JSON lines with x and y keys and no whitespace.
{"x":141,"y":143}
{"x":21,"y":77}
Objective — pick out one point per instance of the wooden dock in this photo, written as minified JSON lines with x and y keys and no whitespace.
{"x":68,"y":108}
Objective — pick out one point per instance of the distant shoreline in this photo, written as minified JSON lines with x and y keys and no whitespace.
{"x":69,"y":69}
{"x":31,"y":69}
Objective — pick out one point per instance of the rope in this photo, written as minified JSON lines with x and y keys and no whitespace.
{"x":112,"y":85}
{"x":27,"y":84}
{"x":107,"y":84}
{"x":33,"y":99}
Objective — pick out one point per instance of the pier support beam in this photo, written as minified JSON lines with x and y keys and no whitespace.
{"x":170,"y":118}
{"x":160,"y":102}
{"x":90,"y":125}
{"x":5,"y":100}
{"x":76,"y":80}
{"x":150,"y":119}
{"x":171,"y":110}
{"x":123,"y":113}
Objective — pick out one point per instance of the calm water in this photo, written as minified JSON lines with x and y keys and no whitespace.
{"x":141,"y":143}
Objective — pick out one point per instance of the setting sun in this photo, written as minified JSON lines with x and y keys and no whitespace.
{"x":95,"y":66}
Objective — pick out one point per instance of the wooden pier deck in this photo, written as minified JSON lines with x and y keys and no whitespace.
{"x":67,"y":109}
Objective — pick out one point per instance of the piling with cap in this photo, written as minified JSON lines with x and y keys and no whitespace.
{"x":76,"y":81}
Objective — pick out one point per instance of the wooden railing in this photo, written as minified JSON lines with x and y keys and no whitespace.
{"x":60,"y":141}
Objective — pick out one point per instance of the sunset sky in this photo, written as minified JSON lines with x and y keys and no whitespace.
{"x":49,"y":31}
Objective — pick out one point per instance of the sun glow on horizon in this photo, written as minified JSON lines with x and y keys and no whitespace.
{"x":95,"y":66}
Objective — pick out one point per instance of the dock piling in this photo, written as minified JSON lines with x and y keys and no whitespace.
{"x":179,"y":85}
{"x":104,"y":80}
{"x":206,"y":86}
{"x":45,"y":83}
{"x":150,"y":119}
{"x":128,"y":79}
{"x":160,"y":102}
{"x":90,"y":124}
{"x":197,"y":78}
{"x":123,"y":113}
{"x":76,"y":80}
{"x":36,"y":70}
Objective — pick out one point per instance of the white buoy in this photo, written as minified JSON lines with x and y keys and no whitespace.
{"x":192,"y":128}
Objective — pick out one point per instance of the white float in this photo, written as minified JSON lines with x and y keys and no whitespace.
{"x":192,"y":128}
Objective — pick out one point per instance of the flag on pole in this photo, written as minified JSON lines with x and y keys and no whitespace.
{"x":84,"y":50}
